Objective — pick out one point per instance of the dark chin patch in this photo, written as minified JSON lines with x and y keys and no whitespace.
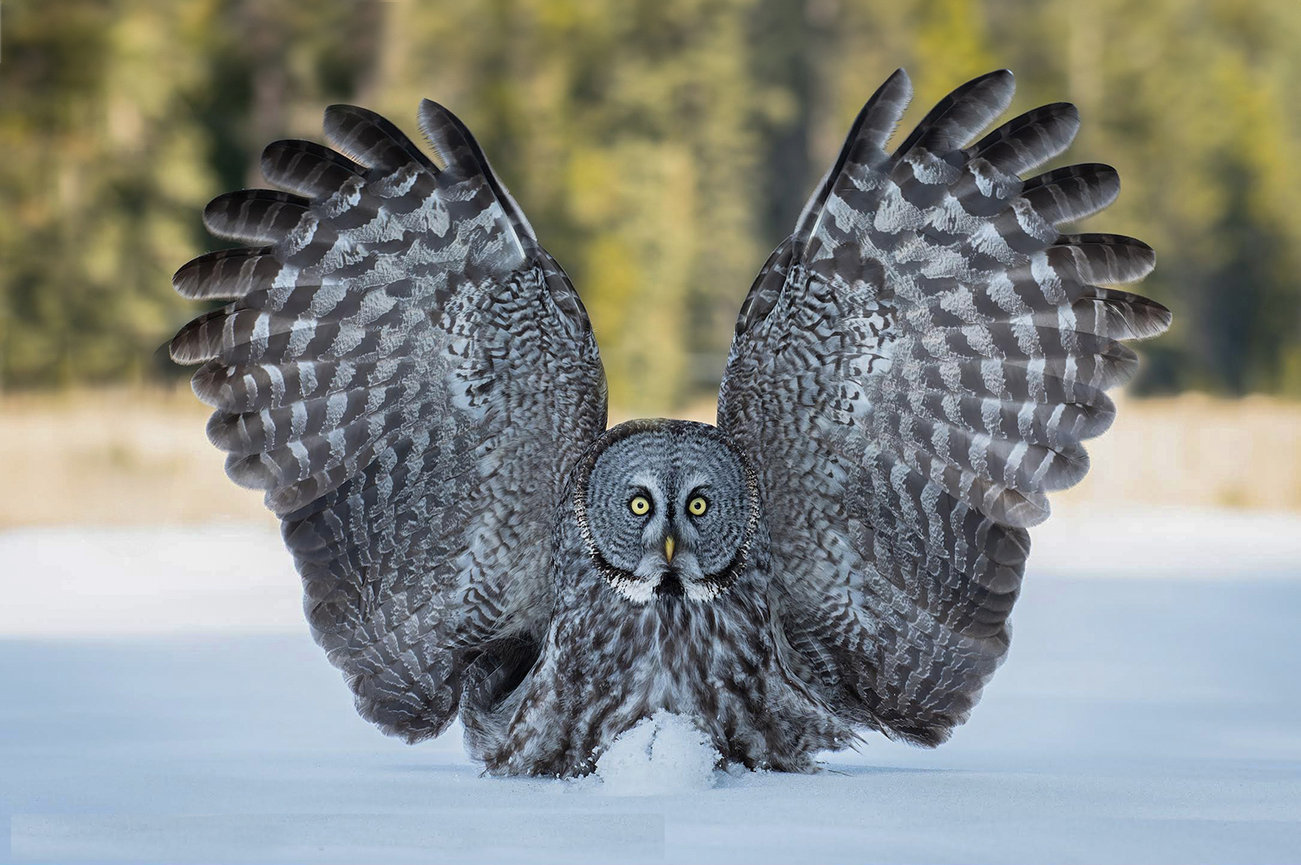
{"x":670,"y":586}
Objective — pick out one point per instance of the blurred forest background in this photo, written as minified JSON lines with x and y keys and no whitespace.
{"x":660,"y":148}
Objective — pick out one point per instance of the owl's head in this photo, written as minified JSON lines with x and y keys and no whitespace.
{"x":667,"y":509}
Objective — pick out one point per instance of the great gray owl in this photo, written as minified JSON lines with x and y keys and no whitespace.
{"x":413,"y":381}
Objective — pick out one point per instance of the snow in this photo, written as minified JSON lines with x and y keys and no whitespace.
{"x":162,"y":702}
{"x":133,"y":581}
{"x":665,"y":753}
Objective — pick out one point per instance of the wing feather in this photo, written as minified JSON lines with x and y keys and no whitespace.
{"x":254,"y":215}
{"x":307,"y":168}
{"x":409,"y":377}
{"x":1030,"y":139}
{"x":915,"y":368}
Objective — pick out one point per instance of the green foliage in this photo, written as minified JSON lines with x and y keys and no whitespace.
{"x":660,"y":147}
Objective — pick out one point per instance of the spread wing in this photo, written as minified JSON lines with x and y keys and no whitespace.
{"x":914,"y":369}
{"x":409,"y":376}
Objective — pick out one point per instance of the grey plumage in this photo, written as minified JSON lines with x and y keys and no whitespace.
{"x":413,"y":381}
{"x":914,"y":369}
{"x":409,"y":377}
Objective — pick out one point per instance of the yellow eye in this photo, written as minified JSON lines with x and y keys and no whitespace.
{"x":697,"y":506}
{"x":640,"y":505}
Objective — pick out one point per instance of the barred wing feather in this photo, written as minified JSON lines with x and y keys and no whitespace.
{"x":409,"y":376}
{"x":915,"y":368}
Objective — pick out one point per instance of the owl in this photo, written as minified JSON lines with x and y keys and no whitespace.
{"x":414,"y":383}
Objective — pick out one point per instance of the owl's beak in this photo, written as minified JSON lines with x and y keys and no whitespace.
{"x":668,"y":548}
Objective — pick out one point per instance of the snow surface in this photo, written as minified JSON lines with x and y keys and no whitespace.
{"x":665,"y":753}
{"x":161,"y":701}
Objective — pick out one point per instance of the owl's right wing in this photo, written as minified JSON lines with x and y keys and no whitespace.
{"x":410,"y":377}
{"x":913,"y":370}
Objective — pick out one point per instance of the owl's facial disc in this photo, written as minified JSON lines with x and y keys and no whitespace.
{"x":669,"y":512}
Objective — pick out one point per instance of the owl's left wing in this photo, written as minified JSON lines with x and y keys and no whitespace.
{"x":409,"y":376}
{"x":914,"y":369}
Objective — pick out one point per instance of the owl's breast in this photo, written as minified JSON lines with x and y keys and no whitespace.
{"x":608,"y":663}
{"x":686,"y":657}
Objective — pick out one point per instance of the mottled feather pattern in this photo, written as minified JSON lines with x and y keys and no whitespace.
{"x":409,"y":379}
{"x":933,"y":332}
{"x":605,"y":666}
{"x":413,"y":381}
